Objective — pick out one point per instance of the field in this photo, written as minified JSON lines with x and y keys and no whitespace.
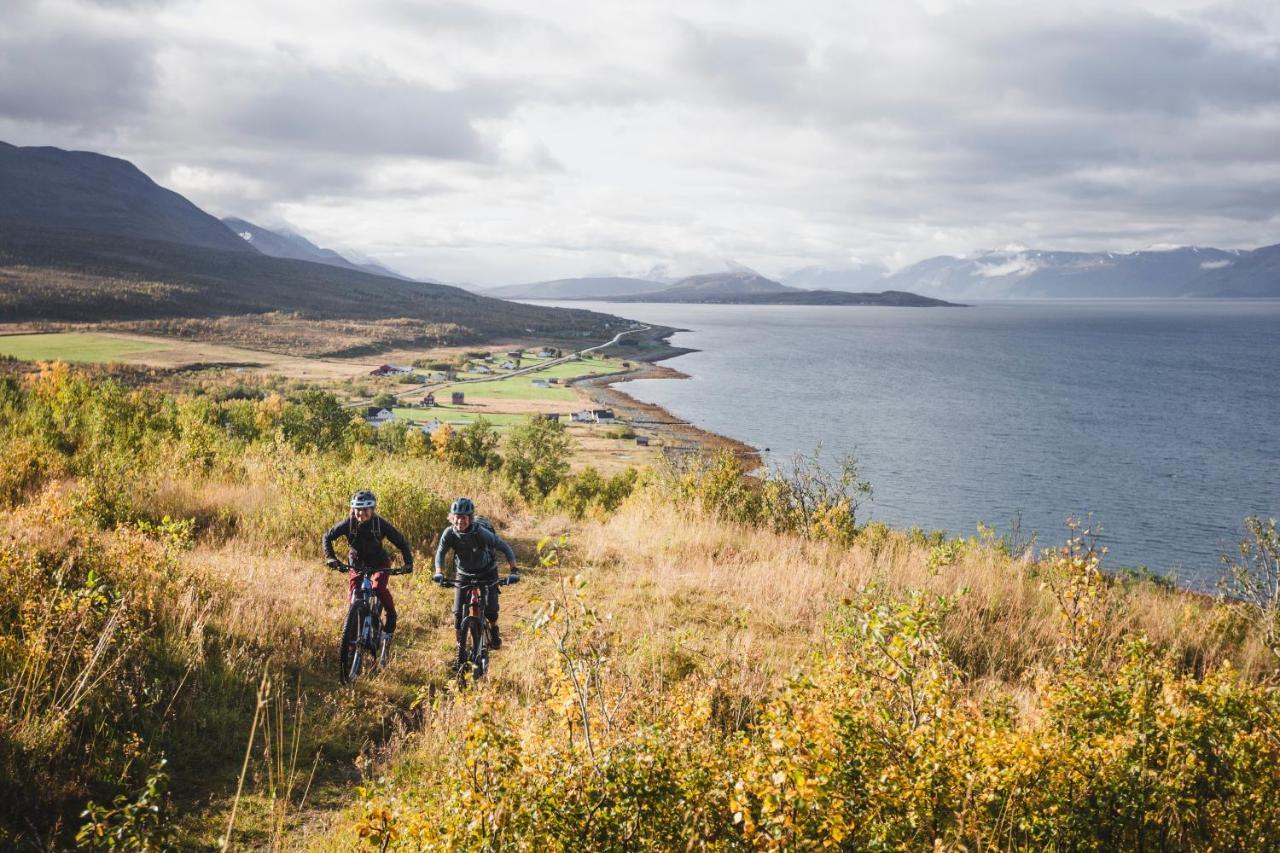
{"x":75,"y":346}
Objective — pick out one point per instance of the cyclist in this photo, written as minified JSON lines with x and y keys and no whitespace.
{"x":475,"y":548}
{"x":365,"y":530}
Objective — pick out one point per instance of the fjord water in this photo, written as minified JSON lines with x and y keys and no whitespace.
{"x":1161,"y":418}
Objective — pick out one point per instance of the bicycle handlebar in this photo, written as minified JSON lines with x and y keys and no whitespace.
{"x":457,"y":584}
{"x":373,"y":570}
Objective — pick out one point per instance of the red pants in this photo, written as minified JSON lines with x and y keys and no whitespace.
{"x":379,"y":581}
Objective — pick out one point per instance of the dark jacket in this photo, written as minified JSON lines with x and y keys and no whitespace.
{"x":474,"y":552}
{"x":365,"y":541}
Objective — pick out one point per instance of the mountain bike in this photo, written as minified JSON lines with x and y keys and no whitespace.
{"x":363,"y":641}
{"x":474,"y":634}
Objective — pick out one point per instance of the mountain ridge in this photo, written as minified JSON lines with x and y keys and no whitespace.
{"x":83,"y":190}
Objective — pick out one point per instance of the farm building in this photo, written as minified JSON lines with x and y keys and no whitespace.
{"x":509,"y":365}
{"x":593,"y":416}
{"x":480,"y":368}
{"x":390,"y":370}
{"x":376,"y":416}
{"x":431,"y":426}
{"x":546,"y":353}
{"x":457,"y":398}
{"x":516,"y":354}
{"x":642,"y":441}
{"x":540,"y":383}
{"x":429,"y":400}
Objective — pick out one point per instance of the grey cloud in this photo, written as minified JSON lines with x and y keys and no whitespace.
{"x":328,"y":111}
{"x":1131,"y":64}
{"x":75,"y":78}
{"x":753,"y":67}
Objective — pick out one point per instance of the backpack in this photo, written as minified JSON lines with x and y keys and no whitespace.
{"x":484,"y":522}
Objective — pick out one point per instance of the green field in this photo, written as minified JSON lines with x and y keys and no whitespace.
{"x":522,"y":388}
{"x":455,"y":416}
{"x":72,"y":346}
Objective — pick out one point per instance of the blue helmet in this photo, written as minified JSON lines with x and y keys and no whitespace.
{"x":364,"y":499}
{"x":463,"y":506}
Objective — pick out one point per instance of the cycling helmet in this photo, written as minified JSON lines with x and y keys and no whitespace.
{"x":363,"y":499}
{"x":463,"y":506}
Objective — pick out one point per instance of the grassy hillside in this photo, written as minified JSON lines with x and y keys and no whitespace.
{"x":696,"y":660}
{"x":67,"y":276}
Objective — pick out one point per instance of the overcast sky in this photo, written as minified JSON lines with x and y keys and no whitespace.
{"x":496,"y":142}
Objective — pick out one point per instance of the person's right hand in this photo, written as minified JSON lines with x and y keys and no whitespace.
{"x":333,"y":563}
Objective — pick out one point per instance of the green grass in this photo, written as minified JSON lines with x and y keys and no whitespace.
{"x":458,"y":416}
{"x":522,"y":388}
{"x":71,"y":346}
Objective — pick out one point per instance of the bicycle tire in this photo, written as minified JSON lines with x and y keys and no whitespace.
{"x":474,"y":651}
{"x":350,"y":653}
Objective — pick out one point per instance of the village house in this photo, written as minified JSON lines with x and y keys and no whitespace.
{"x":376,"y":416}
{"x":429,"y":400}
{"x":554,"y":381}
{"x":642,"y":440}
{"x":480,"y":368}
{"x":593,"y":416}
{"x":540,"y":383}
{"x":431,"y":426}
{"x":457,"y":398}
{"x":509,"y":365}
{"x":516,"y":354}
{"x":546,"y":353}
{"x":390,"y":370}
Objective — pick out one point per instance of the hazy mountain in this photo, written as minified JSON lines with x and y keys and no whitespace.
{"x":53,"y":188}
{"x":287,"y":244}
{"x":1255,"y":273}
{"x":852,"y":278}
{"x":791,"y":296}
{"x":1035,"y":273}
{"x":697,"y":288}
{"x":597,"y":287}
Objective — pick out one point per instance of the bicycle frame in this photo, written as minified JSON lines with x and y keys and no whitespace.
{"x":366,"y":634}
{"x":474,"y":626}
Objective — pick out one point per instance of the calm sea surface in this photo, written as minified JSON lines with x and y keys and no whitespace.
{"x":1161,"y":418}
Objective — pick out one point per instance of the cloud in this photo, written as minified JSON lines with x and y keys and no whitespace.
{"x":540,"y":141}
{"x":55,"y":75}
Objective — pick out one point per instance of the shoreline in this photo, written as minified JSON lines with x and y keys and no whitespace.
{"x":676,"y":435}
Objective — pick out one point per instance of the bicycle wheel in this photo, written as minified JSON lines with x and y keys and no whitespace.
{"x":474,"y":650}
{"x":351,"y":654}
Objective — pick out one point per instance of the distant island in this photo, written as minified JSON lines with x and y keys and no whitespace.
{"x":738,"y":287}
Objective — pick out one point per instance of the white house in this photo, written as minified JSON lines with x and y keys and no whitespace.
{"x":374,"y":416}
{"x":509,"y":365}
{"x":541,"y":383}
{"x":431,"y":426}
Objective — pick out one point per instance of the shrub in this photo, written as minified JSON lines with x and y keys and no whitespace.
{"x":537,"y":456}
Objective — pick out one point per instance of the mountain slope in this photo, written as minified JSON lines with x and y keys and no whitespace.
{"x":1034,"y":273}
{"x":1255,"y":274}
{"x":70,"y":276}
{"x":699,"y":288}
{"x":591,"y":287}
{"x":286,"y":244}
{"x":853,"y":278}
{"x":53,"y":188}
